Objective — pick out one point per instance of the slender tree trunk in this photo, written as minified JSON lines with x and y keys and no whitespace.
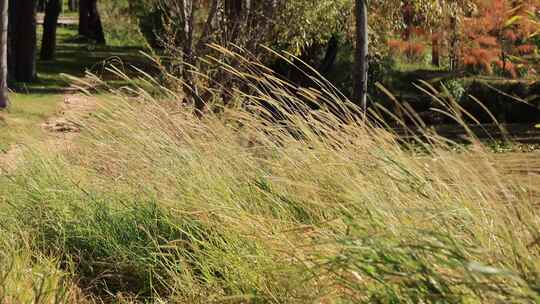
{"x":48,"y":44}
{"x":95,"y":26}
{"x":361,"y":55}
{"x":41,"y":6}
{"x":23,"y":40}
{"x":84,"y":18}
{"x":408,"y":16}
{"x":11,"y":41}
{"x":3,"y":53}
{"x":332,"y":49}
{"x":454,"y":44}
{"x":435,"y":50}
{"x":503,"y":57}
{"x":73,"y":5}
{"x":190,"y":88}
{"x":90,"y":21}
{"x":233,"y":11}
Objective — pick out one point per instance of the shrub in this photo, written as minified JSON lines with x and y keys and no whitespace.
{"x":455,"y":88}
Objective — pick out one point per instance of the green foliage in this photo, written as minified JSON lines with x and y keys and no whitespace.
{"x":380,"y":66}
{"x":149,"y":18}
{"x":303,"y":23}
{"x":121,"y":27}
{"x":456,"y":88}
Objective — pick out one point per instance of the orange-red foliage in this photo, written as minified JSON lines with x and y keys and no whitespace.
{"x":413,"y":50}
{"x":489,"y":41}
{"x":508,"y":66}
{"x":525,"y":49}
{"x":486,"y":39}
{"x":395,"y":46}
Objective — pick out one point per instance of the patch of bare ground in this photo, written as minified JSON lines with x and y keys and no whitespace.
{"x":60,"y":129}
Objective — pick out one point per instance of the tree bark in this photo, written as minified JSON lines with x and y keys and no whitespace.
{"x":4,"y":101}
{"x":361,"y":55}
{"x":435,"y":50}
{"x":22,"y":32}
{"x":190,"y":88}
{"x":90,"y":21}
{"x":332,"y":50}
{"x":84,"y":18}
{"x":10,"y":42}
{"x":48,"y":44}
{"x":95,"y":26}
{"x":41,"y":6}
{"x":73,"y":5}
{"x":454,"y":44}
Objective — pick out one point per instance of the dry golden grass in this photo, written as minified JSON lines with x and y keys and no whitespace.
{"x":244,"y":205}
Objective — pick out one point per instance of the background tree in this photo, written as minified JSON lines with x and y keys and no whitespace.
{"x":41,"y":5}
{"x":90,"y":25}
{"x":48,"y":44}
{"x":361,"y":54}
{"x":84,"y":18}
{"x":3,"y":53}
{"x":73,"y":5}
{"x":22,"y":37}
{"x":497,"y":36}
{"x":95,"y":25}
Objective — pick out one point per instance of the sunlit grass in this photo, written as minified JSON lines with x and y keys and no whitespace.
{"x":269,"y":201}
{"x":34,"y":102}
{"x":21,"y":123}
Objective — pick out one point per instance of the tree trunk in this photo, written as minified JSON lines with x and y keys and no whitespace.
{"x":454,"y":44}
{"x":332,"y":50}
{"x":407,"y":10}
{"x":435,"y":50}
{"x":3,"y":53}
{"x":41,"y":6}
{"x":188,"y":59}
{"x":73,"y":5}
{"x":233,"y":11}
{"x":10,"y":41}
{"x":90,"y":22}
{"x":22,"y":32}
{"x":48,"y":44}
{"x":84,"y":18}
{"x":361,"y":55}
{"x":95,"y":26}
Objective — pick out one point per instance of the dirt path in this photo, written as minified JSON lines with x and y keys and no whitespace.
{"x":60,"y":129}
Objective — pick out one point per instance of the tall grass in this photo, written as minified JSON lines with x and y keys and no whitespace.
{"x":268,"y":200}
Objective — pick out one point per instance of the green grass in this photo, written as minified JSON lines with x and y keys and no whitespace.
{"x":75,"y":56}
{"x":21,"y":122}
{"x":160,"y":205}
{"x":33,"y":102}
